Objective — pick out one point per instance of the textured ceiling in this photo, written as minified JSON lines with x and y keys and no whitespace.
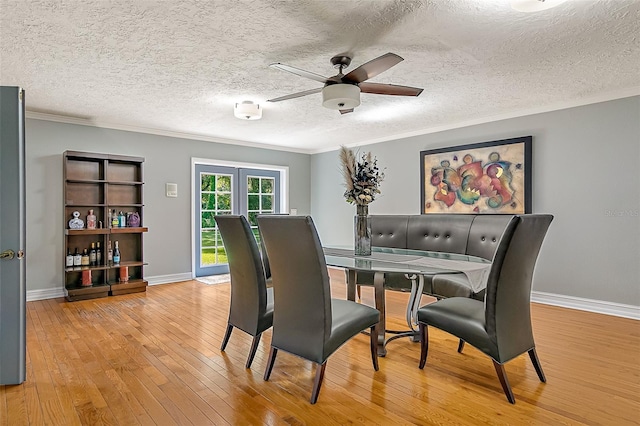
{"x":180,"y":65}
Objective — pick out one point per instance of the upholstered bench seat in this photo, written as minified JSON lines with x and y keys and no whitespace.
{"x":470,"y":234}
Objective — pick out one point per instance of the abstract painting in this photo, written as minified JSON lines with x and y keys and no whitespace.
{"x":487,"y":177}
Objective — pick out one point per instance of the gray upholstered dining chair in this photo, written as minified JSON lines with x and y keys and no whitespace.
{"x":251,"y":307}
{"x":500,"y":326}
{"x":307,"y":322}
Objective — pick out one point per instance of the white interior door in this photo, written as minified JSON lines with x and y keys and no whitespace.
{"x":12,"y":238}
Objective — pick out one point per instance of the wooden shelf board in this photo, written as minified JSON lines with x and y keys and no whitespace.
{"x":125,"y":159}
{"x":131,"y":286}
{"x":129,"y":230}
{"x":103,"y":231}
{"x":86,"y":268}
{"x":88,"y":292}
{"x":85,"y":156}
{"x":129,"y":263}
{"x":103,"y":267}
{"x":124,"y":182}
{"x":86,"y":181}
{"x":98,"y":231}
{"x":87,"y":288}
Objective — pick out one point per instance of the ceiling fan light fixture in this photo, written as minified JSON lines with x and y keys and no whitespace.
{"x":534,"y":5}
{"x":247,"y":110}
{"x":340,"y":96}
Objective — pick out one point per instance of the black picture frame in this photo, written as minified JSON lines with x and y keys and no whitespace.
{"x":488,"y":177}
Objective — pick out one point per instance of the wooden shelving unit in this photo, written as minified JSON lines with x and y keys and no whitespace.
{"x":104,"y":182}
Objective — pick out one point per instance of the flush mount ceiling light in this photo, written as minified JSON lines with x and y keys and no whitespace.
{"x":247,"y":110}
{"x":534,"y":5}
{"x":340,"y":96}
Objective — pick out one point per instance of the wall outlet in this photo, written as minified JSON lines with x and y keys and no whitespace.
{"x":293,"y":212}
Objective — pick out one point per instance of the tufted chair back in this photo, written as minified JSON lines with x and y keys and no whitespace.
{"x":439,"y":232}
{"x":485,"y":234}
{"x":389,"y":231}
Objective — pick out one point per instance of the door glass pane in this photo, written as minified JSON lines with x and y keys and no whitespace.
{"x":253,"y":185}
{"x":216,"y":198}
{"x":224,"y":183}
{"x":253,"y":202}
{"x":259,"y":200}
{"x":208,"y":182}
{"x":224,"y":201}
{"x":267,"y":185}
{"x":267,"y":202}
{"x":208,"y":201}
{"x":253,"y":219}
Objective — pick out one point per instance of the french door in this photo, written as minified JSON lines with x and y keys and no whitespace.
{"x":229,"y":190}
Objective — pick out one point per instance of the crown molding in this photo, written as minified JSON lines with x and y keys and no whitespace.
{"x":605,"y":97}
{"x":153,"y":131}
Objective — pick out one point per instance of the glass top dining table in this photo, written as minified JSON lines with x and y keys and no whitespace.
{"x":415,"y":264}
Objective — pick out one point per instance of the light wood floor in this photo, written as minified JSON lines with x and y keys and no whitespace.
{"x":154,"y":358}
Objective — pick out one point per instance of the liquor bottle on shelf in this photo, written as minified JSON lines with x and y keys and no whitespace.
{"x":69,"y":260}
{"x":109,"y":255}
{"x":98,"y":254}
{"x":92,"y":255}
{"x":133,"y":219}
{"x":116,"y":254}
{"x":110,"y":222}
{"x":114,"y":219}
{"x":76,"y":222}
{"x":122,"y":220}
{"x":91,"y":220}
{"x":77,"y":258}
{"x":85,"y":258}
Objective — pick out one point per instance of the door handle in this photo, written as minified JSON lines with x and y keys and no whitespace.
{"x":9,"y":254}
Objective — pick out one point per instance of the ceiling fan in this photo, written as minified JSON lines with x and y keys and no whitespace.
{"x":342,"y":92}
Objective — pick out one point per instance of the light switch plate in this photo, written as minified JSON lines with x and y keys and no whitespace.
{"x":171,"y":190}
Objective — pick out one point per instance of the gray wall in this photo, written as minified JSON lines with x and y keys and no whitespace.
{"x":585,"y":173}
{"x":167,"y":245}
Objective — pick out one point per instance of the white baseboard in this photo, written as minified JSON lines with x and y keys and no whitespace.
{"x":47,"y":293}
{"x":571,"y":302}
{"x":590,"y":305}
{"x":166,"y":279}
{"x":52,"y":293}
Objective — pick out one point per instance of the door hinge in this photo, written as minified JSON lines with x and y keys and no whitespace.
{"x":21,"y":94}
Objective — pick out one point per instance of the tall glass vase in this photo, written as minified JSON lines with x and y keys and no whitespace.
{"x":362,"y":231}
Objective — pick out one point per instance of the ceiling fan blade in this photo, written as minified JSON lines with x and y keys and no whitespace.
{"x":389,"y":89}
{"x":299,"y":72}
{"x":372,"y":68}
{"x":346,"y":111}
{"x":296,"y":95}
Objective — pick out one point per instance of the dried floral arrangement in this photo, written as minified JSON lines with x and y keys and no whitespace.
{"x":362,"y":177}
